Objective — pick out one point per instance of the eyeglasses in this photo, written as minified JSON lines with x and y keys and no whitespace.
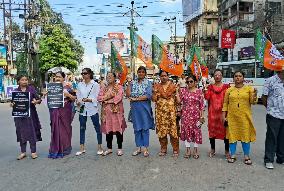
{"x":190,"y":81}
{"x":84,"y":73}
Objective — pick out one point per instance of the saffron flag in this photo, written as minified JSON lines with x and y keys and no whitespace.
{"x":141,"y":49}
{"x":267,"y":53}
{"x":118,"y":65}
{"x":165,"y":60}
{"x":196,"y":63}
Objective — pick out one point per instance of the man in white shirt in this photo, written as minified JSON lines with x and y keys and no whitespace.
{"x":87,"y":94}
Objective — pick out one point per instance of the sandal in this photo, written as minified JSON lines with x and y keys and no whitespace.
{"x":162,"y":153}
{"x":34,"y":156}
{"x":211,"y":154}
{"x":107,"y":152}
{"x":227,"y":155}
{"x":175,"y":154}
{"x":21,"y":156}
{"x":119,"y":152}
{"x":247,"y":161}
{"x":137,"y":152}
{"x":146,"y":153}
{"x":232,"y":159}
{"x":196,"y":156}
{"x":187,"y":154}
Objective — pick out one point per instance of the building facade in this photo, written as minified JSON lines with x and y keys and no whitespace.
{"x":201,"y":22}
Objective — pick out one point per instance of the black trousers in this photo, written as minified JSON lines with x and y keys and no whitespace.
{"x":274,"y":142}
{"x":119,"y":139}
{"x":212,"y":143}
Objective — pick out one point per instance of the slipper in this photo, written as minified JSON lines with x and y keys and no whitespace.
{"x":232,"y":160}
{"x":21,"y":156}
{"x":162,"y":153}
{"x":186,"y":155}
{"x":119,"y":153}
{"x":34,"y":156}
{"x":211,"y":154}
{"x":175,"y":154}
{"x":247,"y":161}
{"x":107,"y":152}
{"x":146,"y":153}
{"x":137,"y":152}
{"x":196,"y":156}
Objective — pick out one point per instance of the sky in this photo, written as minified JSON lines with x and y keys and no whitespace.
{"x":96,"y":18}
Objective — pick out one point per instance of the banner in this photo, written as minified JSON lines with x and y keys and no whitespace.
{"x":165,"y":60}
{"x":55,"y":97}
{"x":228,"y":39}
{"x":141,"y":49}
{"x":118,"y":65}
{"x":117,"y":35}
{"x":267,"y":53}
{"x":104,"y":45}
{"x":21,"y":107}
{"x":196,"y":63}
{"x":3,"y":55}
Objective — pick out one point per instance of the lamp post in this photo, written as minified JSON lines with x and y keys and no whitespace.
{"x":170,"y":21}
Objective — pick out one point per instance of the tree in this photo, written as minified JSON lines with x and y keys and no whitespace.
{"x":58,"y":47}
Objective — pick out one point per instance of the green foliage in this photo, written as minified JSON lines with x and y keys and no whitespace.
{"x":58,"y":47}
{"x":21,"y":63}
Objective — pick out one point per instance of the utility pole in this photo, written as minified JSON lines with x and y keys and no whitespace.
{"x":170,"y":21}
{"x":132,"y":27}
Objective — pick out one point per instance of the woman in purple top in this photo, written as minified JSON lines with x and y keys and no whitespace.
{"x":28,"y":128}
{"x":61,"y":119}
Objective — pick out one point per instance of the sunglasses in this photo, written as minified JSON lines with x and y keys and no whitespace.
{"x":190,"y":81}
{"x":84,"y":73}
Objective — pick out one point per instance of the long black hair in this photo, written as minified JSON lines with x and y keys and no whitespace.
{"x":89,"y":71}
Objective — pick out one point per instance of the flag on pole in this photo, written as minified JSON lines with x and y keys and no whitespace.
{"x":118,"y":65}
{"x":141,"y":49}
{"x":165,"y":60}
{"x":196,"y":63}
{"x":267,"y":53}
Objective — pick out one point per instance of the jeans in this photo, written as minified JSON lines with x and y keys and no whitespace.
{"x":96,"y":122}
{"x":274,"y":142}
{"x":246,"y":148}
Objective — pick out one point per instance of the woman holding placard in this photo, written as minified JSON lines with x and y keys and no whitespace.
{"x":61,"y":119}
{"x":28,"y":128}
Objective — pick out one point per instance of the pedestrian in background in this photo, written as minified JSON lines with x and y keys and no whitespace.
{"x":28,"y":128}
{"x":182,"y":81}
{"x":192,"y":115}
{"x":164,"y":94}
{"x":273,"y":100}
{"x":87,"y":101}
{"x":238,"y":116}
{"x":215,"y":94}
{"x":139,"y":93}
{"x":61,"y":119}
{"x":112,"y":113}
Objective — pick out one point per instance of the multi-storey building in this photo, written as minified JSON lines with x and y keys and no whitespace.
{"x":201,"y":21}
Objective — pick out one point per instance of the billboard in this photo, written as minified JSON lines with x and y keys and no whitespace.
{"x":104,"y":45}
{"x":191,"y":9}
{"x":3,"y":55}
{"x":118,"y":35}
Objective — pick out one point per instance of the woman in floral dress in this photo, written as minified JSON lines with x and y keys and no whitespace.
{"x":192,"y":116}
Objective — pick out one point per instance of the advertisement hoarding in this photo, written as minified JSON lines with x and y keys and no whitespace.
{"x":3,"y":55}
{"x":104,"y":45}
{"x":191,"y":9}
{"x":228,"y":39}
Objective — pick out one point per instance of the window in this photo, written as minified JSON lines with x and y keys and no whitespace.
{"x":273,"y":7}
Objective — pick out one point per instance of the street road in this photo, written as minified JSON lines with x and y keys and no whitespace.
{"x":113,"y":173}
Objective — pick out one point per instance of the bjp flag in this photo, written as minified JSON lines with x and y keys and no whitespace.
{"x":118,"y":65}
{"x":165,"y":60}
{"x":267,"y":53}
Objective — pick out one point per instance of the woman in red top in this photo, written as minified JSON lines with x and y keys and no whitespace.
{"x":215,"y":93}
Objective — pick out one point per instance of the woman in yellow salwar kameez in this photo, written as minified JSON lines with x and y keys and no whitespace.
{"x":238,"y":116}
{"x":164,"y":94}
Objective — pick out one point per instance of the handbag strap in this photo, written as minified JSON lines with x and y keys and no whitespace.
{"x":90,"y":91}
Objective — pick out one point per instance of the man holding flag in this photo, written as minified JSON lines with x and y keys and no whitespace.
{"x":273,"y":100}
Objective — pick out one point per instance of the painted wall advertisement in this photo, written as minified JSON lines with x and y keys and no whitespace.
{"x":3,"y":55}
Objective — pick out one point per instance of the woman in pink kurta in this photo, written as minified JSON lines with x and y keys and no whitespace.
{"x":192,"y":116}
{"x":112,"y":116}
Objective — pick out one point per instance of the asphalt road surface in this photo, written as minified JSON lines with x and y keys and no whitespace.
{"x":113,"y":173}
